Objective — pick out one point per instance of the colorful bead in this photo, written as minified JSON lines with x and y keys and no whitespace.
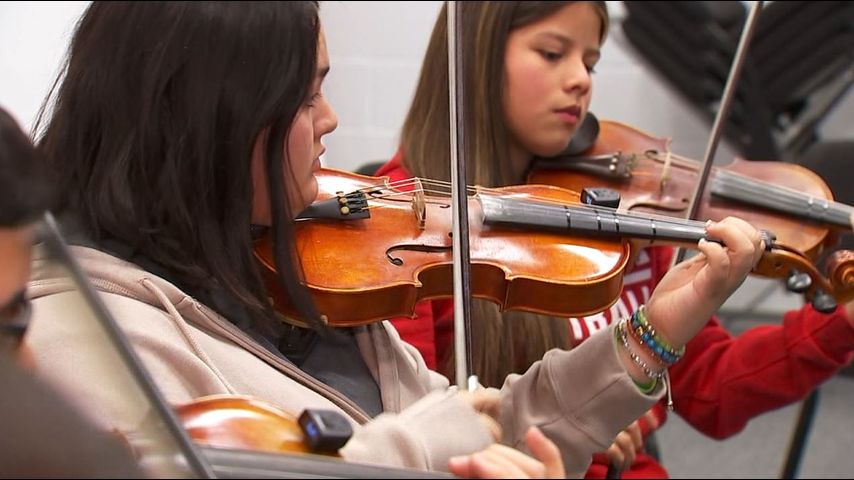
{"x":645,"y":334}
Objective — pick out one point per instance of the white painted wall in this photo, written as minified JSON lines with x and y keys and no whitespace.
{"x":376,"y":50}
{"x":33,"y":40}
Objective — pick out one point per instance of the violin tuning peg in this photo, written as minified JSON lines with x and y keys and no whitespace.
{"x":798,"y":282}
{"x":823,"y":302}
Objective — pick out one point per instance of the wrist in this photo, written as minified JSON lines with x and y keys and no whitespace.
{"x":651,"y":340}
{"x":645,"y":376}
{"x":640,"y":365}
{"x":674,"y":336}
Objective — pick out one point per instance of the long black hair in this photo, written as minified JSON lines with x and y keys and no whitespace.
{"x":24,"y":181}
{"x":154,"y":121}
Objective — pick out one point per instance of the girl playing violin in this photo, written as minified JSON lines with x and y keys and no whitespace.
{"x":183,"y":129}
{"x":528,"y":79}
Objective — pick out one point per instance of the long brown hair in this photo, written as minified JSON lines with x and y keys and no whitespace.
{"x":508,"y":342}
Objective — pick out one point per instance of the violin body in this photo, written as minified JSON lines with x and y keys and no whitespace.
{"x":785,"y":198}
{"x":533,"y":248}
{"x":646,"y":184}
{"x":243,"y":423}
{"x":245,"y":437}
{"x":377,"y":268}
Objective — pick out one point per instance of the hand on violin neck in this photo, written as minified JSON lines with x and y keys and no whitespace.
{"x":690,"y":293}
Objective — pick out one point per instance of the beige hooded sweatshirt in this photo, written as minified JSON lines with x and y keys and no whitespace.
{"x":581,"y":398}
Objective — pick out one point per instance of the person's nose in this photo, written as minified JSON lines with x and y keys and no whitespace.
{"x":577,"y":76}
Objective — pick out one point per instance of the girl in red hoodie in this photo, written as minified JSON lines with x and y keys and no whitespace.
{"x":528,"y":81}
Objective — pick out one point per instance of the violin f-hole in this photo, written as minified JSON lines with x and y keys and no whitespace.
{"x":413,"y":248}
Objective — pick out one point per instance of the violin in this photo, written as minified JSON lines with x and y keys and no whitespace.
{"x":770,"y":195}
{"x":393,"y":248}
{"x":246,"y":423}
{"x":376,"y":251}
{"x":244,"y":437}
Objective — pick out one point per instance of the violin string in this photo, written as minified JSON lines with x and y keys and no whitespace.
{"x":547,"y":203}
{"x":774,"y":191}
{"x":550,"y":203}
{"x":661,"y":221}
{"x":536,"y":203}
{"x":783,"y":198}
{"x":644,"y":173}
{"x":768,"y":188}
{"x":676,"y":159}
{"x":791,"y":198}
{"x":795,"y":201}
{"x":553,"y":206}
{"x":765,"y":191}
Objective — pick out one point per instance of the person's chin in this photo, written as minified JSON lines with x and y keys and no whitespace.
{"x":552,"y":149}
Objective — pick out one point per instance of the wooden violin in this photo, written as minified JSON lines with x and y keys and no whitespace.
{"x":246,"y":423}
{"x":244,"y":437}
{"x":771,"y":195}
{"x":785,"y":198}
{"x":534,"y":248}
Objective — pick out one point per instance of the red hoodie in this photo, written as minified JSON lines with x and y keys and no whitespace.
{"x":721,"y":382}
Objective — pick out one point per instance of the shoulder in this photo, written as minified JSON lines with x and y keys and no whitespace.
{"x":155,"y":317}
{"x":107,"y":274}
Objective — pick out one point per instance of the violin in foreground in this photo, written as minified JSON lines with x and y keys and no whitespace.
{"x":371,"y":249}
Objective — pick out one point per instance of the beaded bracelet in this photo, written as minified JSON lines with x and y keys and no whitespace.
{"x":647,"y":341}
{"x":647,"y":388}
{"x":646,"y":335}
{"x":620,"y":333}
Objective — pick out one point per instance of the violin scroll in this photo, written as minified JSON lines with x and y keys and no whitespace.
{"x":840,"y":274}
{"x":823,"y":292}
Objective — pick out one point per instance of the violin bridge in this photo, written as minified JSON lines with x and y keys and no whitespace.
{"x":665,"y":171}
{"x":419,"y":205}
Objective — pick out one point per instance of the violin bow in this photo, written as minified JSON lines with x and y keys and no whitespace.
{"x":723,"y":112}
{"x":459,"y":202}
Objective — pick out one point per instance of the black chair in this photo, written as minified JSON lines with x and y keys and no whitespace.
{"x":693,"y":44}
{"x":800,"y":64}
{"x":369,"y":168}
{"x":833,"y":161}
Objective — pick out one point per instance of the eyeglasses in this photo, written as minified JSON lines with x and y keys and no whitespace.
{"x":15,"y":316}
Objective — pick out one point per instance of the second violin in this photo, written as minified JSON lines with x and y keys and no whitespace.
{"x":785,"y":198}
{"x":771,"y":195}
